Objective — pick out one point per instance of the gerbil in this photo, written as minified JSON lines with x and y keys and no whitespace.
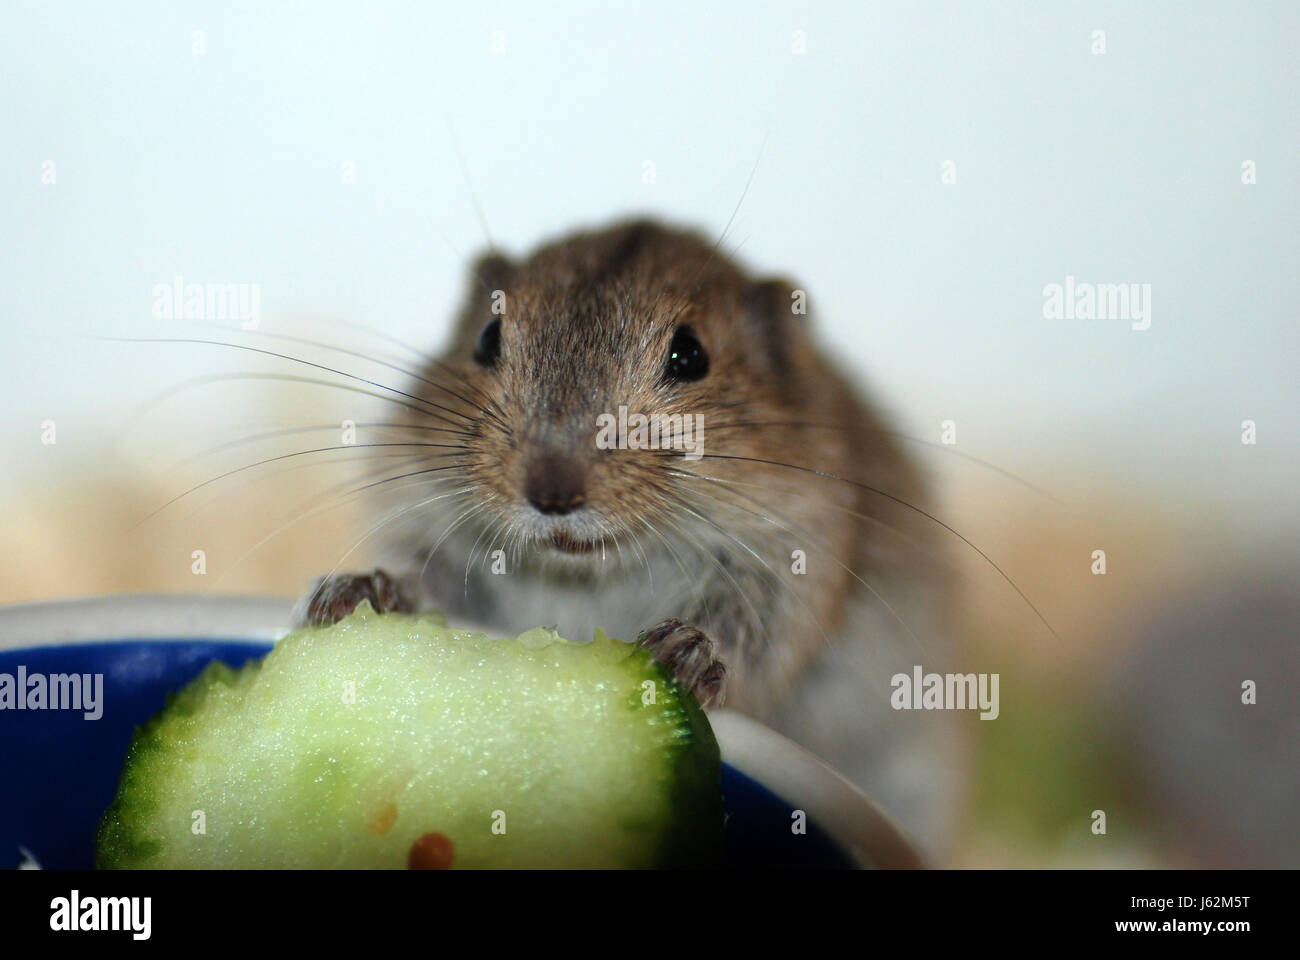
{"x":783,"y":570}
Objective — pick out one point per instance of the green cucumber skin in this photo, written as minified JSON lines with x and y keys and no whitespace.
{"x":115,"y":846}
{"x":697,"y":842}
{"x":692,"y":840}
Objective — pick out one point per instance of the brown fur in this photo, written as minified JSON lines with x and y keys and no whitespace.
{"x":587,"y":324}
{"x":696,"y":556}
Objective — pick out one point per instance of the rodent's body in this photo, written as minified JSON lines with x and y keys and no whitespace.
{"x":790,"y":542}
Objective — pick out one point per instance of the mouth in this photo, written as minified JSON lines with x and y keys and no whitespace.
{"x":567,"y":543}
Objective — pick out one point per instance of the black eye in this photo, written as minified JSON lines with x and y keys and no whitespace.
{"x":488,"y":345}
{"x":686,"y":358}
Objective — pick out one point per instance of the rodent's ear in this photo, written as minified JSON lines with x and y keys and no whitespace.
{"x":487,"y":293}
{"x":491,"y":272}
{"x":776,"y":301}
{"x":777,"y":310}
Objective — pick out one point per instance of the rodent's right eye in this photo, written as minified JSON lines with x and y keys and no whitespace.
{"x":686,"y":357}
{"x":488,"y":346}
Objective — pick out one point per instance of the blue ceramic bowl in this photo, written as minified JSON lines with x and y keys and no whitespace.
{"x":59,"y":767}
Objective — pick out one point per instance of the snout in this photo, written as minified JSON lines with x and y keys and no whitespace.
{"x":555,"y":483}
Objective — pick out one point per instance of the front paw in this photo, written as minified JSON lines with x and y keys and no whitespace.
{"x":337,"y":596}
{"x":691,"y":656}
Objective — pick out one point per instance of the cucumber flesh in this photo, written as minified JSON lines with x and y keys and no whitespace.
{"x":395,"y":741}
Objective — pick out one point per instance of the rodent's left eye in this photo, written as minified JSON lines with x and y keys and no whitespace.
{"x":488,"y":346}
{"x":686,"y":358}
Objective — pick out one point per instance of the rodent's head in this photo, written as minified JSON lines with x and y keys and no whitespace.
{"x":555,"y":357}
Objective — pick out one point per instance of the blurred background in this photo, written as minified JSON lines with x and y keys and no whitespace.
{"x":924,"y":170}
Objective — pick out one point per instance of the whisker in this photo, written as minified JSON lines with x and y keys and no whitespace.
{"x":469,"y":185}
{"x":753,"y":171}
{"x":415,"y":473}
{"x":684,"y":534}
{"x":464,"y":260}
{"x":332,"y":461}
{"x":819,"y":542}
{"x":286,"y":456}
{"x":893,"y":531}
{"x":903,"y":503}
{"x":484,"y":403}
{"x":291,"y":359}
{"x":331,"y":504}
{"x":315,"y":428}
{"x":391,"y":518}
{"x":469,"y":558}
{"x":464,"y":516}
{"x":368,"y":475}
{"x":411,"y":374}
{"x":778,"y":580}
{"x":744,"y":595}
{"x":379,"y":334}
{"x":143,"y":408}
{"x":942,"y":447}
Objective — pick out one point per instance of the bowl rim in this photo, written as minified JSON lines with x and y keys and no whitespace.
{"x":143,"y":616}
{"x":861,"y":828}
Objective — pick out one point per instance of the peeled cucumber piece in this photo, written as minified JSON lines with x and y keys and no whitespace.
{"x":393,"y":741}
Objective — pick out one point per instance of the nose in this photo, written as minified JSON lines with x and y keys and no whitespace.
{"x":555,"y":484}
